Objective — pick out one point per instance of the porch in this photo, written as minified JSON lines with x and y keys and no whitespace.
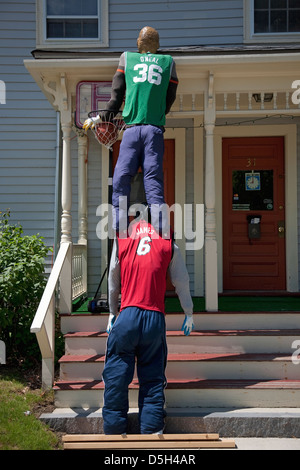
{"x":236,"y":374}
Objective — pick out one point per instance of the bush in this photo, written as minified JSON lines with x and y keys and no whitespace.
{"x":22,"y":282}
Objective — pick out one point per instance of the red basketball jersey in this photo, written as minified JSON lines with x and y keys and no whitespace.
{"x":144,"y":259}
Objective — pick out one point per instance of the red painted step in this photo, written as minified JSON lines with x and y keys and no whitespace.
{"x":190,"y":357}
{"x":246,"y":332}
{"x":190,"y":384}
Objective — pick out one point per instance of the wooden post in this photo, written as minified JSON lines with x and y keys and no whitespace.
{"x":82,"y":189}
{"x":211,"y":261}
{"x":66,"y":192}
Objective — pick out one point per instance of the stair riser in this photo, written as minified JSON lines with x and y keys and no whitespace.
{"x":228,"y":344}
{"x":209,"y":398}
{"x":189,"y":345}
{"x":203,"y":321}
{"x":239,"y":321}
{"x":196,"y":370}
{"x":85,"y":346}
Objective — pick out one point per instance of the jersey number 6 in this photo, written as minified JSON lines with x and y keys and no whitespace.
{"x":144,"y":246}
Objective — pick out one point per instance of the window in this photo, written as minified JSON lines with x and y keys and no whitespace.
{"x":272,"y":20}
{"x":252,"y":190}
{"x":276,"y":16}
{"x":76,"y":19}
{"x":76,"y":23}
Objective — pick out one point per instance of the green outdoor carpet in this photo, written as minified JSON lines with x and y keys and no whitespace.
{"x":226,"y":304}
{"x":242,"y":304}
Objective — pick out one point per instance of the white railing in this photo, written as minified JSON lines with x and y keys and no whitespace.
{"x":271,"y":102}
{"x":232,"y":102}
{"x":79,"y":271}
{"x":2,"y":352}
{"x":43,"y":324}
{"x":67,"y":281}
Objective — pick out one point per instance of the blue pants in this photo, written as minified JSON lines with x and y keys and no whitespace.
{"x":141,"y":335}
{"x":141,"y":146}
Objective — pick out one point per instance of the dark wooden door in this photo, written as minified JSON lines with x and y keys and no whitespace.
{"x":253,"y":214}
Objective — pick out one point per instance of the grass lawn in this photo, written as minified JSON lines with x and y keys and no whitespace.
{"x":21,"y":403}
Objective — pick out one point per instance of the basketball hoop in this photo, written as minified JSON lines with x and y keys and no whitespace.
{"x":108,"y":129}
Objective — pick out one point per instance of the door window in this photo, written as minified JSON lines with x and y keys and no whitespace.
{"x":252,"y":190}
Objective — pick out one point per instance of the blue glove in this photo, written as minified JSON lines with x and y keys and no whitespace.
{"x":188,"y":325}
{"x":111,"y":321}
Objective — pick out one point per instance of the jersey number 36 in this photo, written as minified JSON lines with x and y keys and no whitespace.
{"x":151,"y":73}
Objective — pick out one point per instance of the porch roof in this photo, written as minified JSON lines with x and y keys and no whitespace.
{"x":236,"y":70}
{"x":185,"y":51}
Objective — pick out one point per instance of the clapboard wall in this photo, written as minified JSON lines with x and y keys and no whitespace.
{"x":188,"y":23}
{"x":29,"y":144}
{"x":27,"y":128}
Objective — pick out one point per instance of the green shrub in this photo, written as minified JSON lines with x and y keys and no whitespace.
{"x":22,"y":282}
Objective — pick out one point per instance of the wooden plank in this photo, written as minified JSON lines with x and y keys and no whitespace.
{"x":138,"y":437}
{"x":221,"y":443}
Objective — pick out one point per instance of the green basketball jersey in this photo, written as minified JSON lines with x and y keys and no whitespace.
{"x":147,"y":79}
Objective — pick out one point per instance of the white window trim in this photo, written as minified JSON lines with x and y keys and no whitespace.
{"x":251,"y":38}
{"x":65,"y":43}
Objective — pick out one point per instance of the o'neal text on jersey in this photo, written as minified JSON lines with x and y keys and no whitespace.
{"x":149,"y":58}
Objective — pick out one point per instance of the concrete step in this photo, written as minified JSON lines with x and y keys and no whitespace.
{"x":185,"y":394}
{"x":194,"y":366}
{"x":204,"y":341}
{"x":228,"y":422}
{"x":203,"y":321}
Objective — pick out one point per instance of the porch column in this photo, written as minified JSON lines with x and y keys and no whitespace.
{"x":66,"y":190}
{"x":211,"y":265}
{"x":82,"y":189}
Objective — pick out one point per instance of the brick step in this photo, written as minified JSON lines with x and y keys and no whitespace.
{"x":185,"y":394}
{"x":202,"y":320}
{"x":194,"y":366}
{"x":201,"y":341}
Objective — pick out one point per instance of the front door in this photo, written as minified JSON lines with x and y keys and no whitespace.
{"x":253,"y":214}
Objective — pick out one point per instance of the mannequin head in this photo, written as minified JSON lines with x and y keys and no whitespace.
{"x":148,"y":40}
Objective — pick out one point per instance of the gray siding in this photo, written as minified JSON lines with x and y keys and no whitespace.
{"x":94,"y":200}
{"x":27,"y":128}
{"x":190,"y":23}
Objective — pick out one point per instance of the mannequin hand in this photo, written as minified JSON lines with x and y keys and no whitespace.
{"x":188,"y":325}
{"x":111,"y":321}
{"x":91,"y":122}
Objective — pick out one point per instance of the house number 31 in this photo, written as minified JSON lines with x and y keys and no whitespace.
{"x":251,"y":162}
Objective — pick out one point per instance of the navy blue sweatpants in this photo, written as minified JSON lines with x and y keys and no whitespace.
{"x":141,"y":335}
{"x":141,"y":146}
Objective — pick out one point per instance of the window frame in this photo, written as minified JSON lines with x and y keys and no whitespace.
{"x":42,"y":42}
{"x":251,"y":37}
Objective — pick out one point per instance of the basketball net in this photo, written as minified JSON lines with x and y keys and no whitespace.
{"x":107,"y":130}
